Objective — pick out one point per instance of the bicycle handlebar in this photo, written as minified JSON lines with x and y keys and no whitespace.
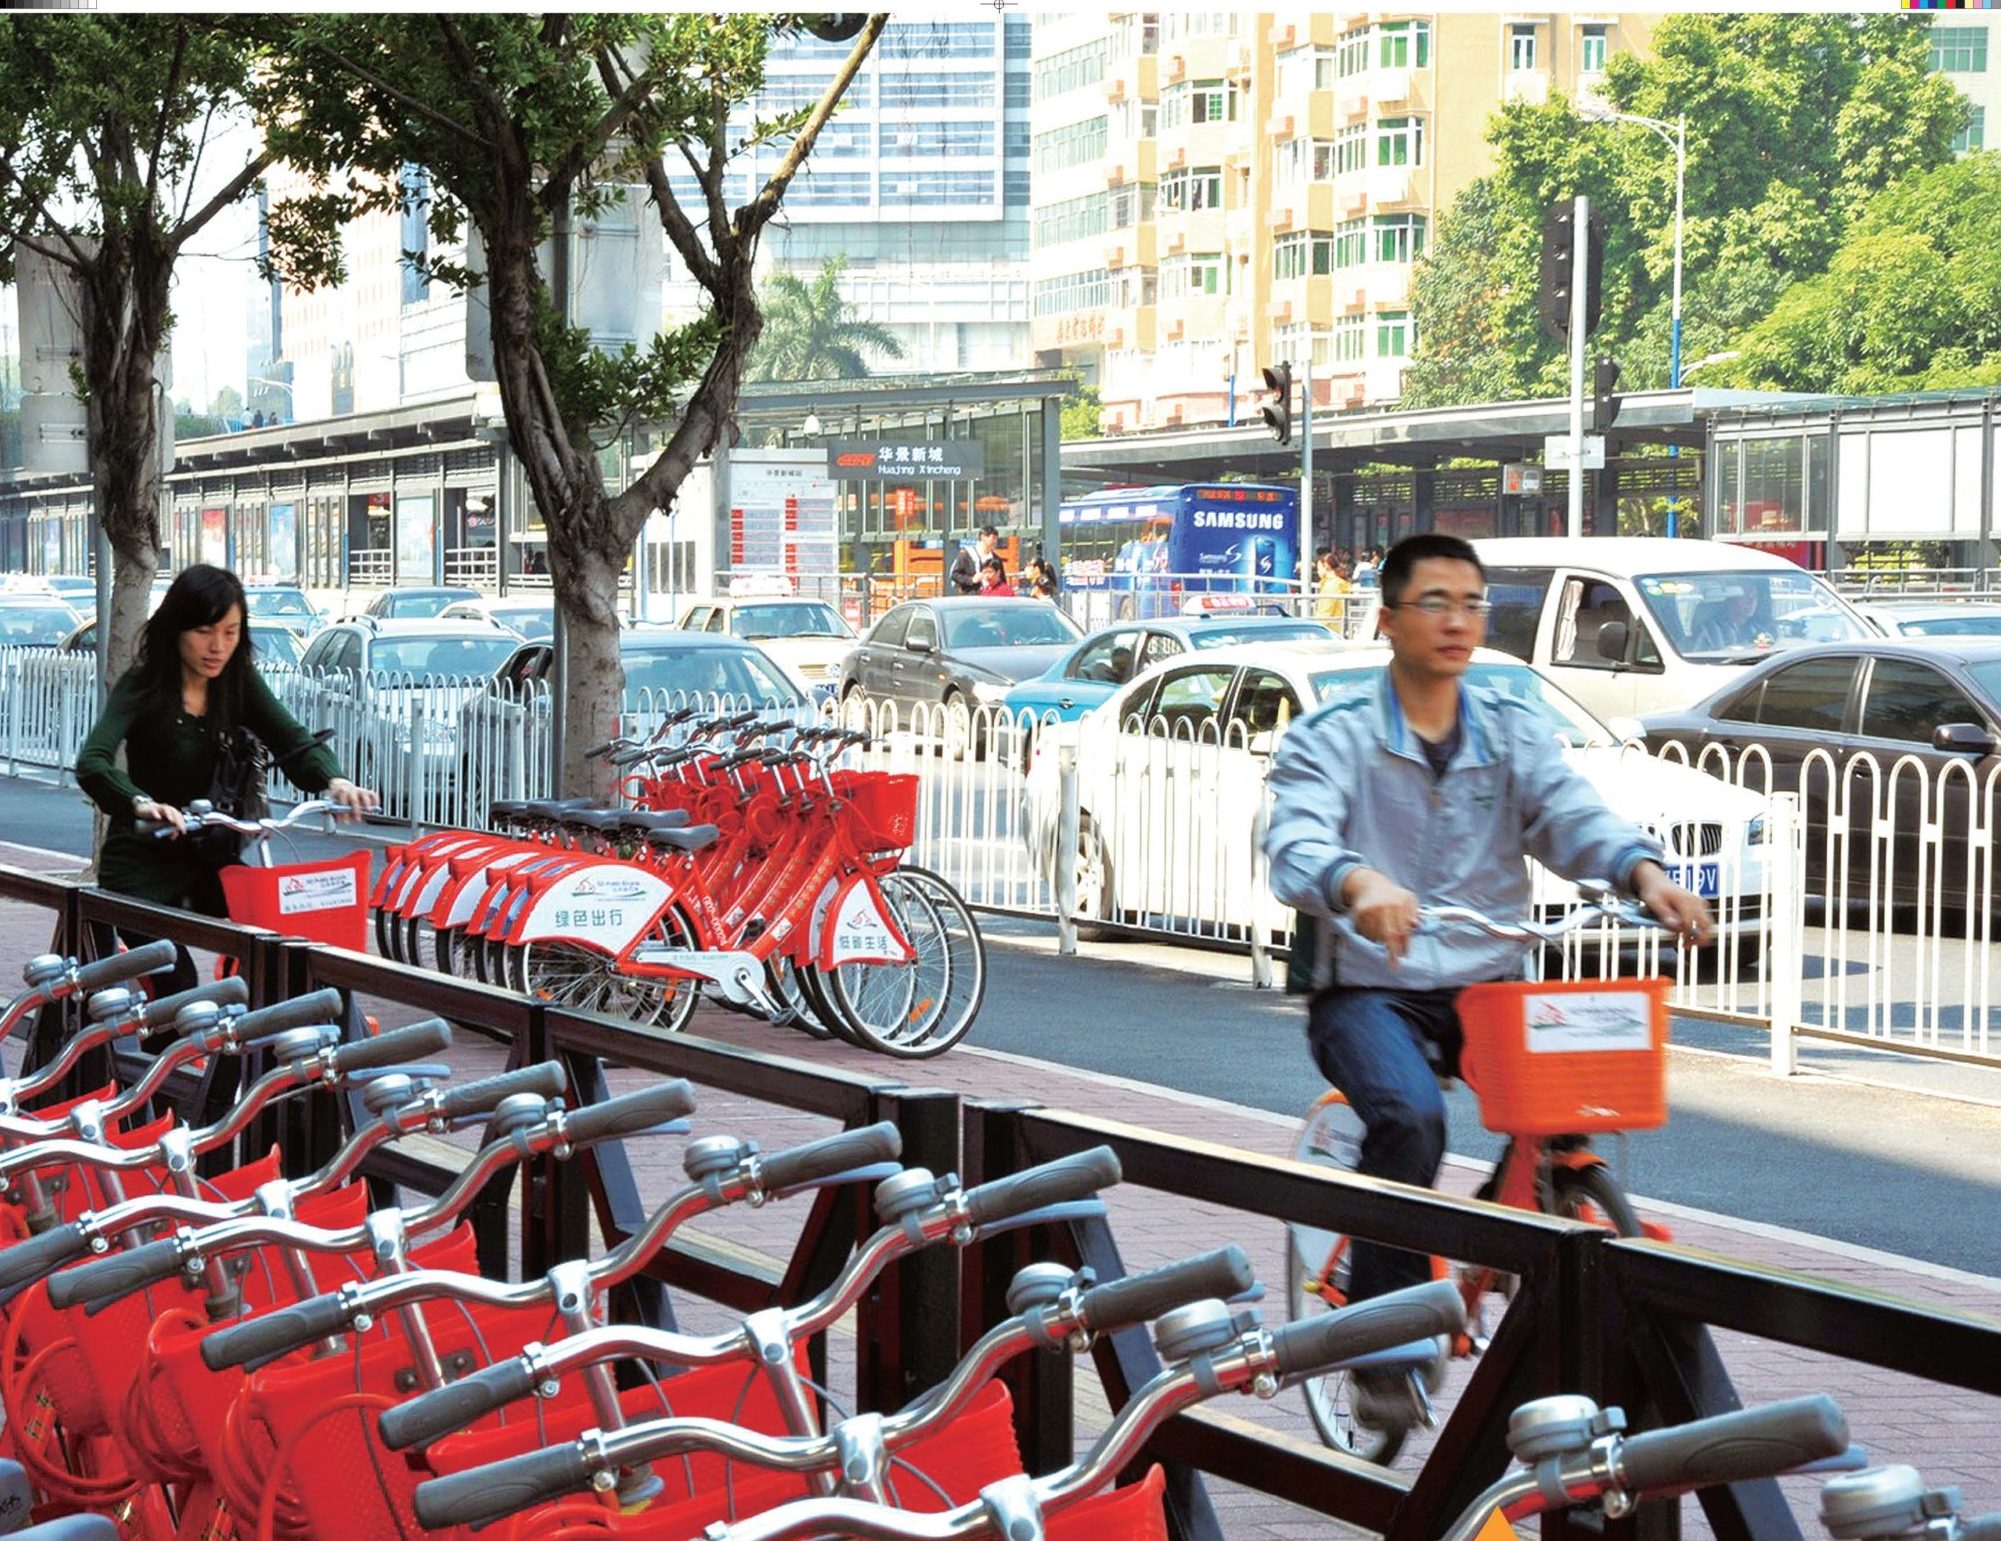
{"x":1732,"y":1447}
{"x":395,"y":1047}
{"x":488,"y":1492}
{"x":431,"y":1416}
{"x":116,"y":1275}
{"x":630,"y":1113}
{"x":1368,"y":1327}
{"x":153,"y":958}
{"x":837,"y":1153}
{"x":1141,"y":1297}
{"x":1073,"y":1177}
{"x":544,"y":1080}
{"x":220,"y":992}
{"x":1598,"y":903}
{"x":312,"y":1010}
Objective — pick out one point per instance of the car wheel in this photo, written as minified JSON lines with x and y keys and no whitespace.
{"x":1094,"y":898}
{"x":855,"y":709}
{"x":1025,"y":743}
{"x":955,"y":727}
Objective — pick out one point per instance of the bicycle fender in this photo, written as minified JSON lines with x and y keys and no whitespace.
{"x":608,"y":906}
{"x":859,"y":927}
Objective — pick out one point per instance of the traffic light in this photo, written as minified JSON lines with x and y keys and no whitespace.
{"x":1559,"y":250}
{"x":1604,"y":381}
{"x":1277,"y":413}
{"x":834,"y":28}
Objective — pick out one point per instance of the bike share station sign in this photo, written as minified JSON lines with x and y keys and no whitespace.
{"x":948,"y":460}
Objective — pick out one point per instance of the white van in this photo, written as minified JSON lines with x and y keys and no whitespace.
{"x":1630,"y":625}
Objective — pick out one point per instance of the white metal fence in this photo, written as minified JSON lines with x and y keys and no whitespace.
{"x":48,"y":701}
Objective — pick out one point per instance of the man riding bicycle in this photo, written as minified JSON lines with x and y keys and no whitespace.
{"x":1425,"y":789}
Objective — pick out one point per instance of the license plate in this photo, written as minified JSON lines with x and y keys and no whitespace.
{"x":1702,"y":878}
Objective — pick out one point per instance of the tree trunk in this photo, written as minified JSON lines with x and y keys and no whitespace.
{"x":586,"y":585}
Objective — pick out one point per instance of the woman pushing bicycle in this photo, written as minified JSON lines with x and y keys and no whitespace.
{"x":192,"y":691}
{"x":1427,"y":789}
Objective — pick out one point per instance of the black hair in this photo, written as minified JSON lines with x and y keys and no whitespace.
{"x":987,"y":529}
{"x":201,"y":596}
{"x":995,"y":564}
{"x":1412,"y":549}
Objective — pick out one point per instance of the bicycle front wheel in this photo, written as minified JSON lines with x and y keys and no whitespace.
{"x":1592,"y":1193}
{"x":921,"y":1008}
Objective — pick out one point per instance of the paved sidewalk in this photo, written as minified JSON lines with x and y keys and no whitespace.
{"x":1947,"y":1433}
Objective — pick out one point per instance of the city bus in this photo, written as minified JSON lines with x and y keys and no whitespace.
{"x":1148,"y":550}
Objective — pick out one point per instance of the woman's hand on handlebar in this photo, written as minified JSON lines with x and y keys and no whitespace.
{"x":1672,"y":905}
{"x":1381,"y":909}
{"x":147,"y":810}
{"x":356,"y":800}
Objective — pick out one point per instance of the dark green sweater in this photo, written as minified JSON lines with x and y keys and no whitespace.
{"x":173,"y":761}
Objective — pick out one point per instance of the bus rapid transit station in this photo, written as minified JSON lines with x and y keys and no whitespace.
{"x":876,"y":482}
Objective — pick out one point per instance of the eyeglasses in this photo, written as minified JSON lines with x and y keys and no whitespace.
{"x":1435,"y":605}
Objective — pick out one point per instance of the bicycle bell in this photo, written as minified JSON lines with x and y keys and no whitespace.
{"x":300,"y":1043}
{"x":1194,"y":1329}
{"x":44,"y":968}
{"x":1559,"y":1425}
{"x":714,"y":1153}
{"x":107,"y":1004}
{"x":520,"y":1111}
{"x":1882,"y":1502}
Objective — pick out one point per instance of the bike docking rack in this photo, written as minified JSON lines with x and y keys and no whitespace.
{"x":1627,"y":1323}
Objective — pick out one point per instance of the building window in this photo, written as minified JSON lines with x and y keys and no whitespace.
{"x":1306,"y":160}
{"x":1134,"y":119}
{"x":937,"y":40}
{"x":1302,"y":253}
{"x":1351,"y":148}
{"x":1591,"y":45}
{"x":1393,"y":334}
{"x":1074,"y":219}
{"x":1352,"y":53}
{"x":967,"y":90}
{"x":1017,"y":42}
{"x":1016,"y":90}
{"x":1197,"y":187}
{"x":1974,"y":135}
{"x":1398,"y":237}
{"x":416,"y":220}
{"x":1135,"y":286}
{"x":1130,"y":203}
{"x":1351,"y":243}
{"x":1404,"y":45}
{"x":938,"y":137}
{"x":830,"y":190}
{"x":1075,"y":144}
{"x":1201,"y":24}
{"x":1136,"y":33}
{"x":1959,"y":50}
{"x":1072,"y":292}
{"x":1350,"y":339}
{"x":1521,"y":45}
{"x":1072,"y":69}
{"x":1400,"y":141}
{"x":1201,"y":101}
{"x":1193,"y":274}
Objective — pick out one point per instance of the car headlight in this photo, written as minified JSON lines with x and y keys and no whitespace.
{"x":989,"y":695}
{"x":1756,"y":832}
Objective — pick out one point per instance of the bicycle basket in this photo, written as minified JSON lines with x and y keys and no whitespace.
{"x":320,"y":901}
{"x":1567,"y":1058}
{"x":882,"y":810}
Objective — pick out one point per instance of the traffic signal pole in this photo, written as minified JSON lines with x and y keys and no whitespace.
{"x":1580,"y":271}
{"x":1306,"y":485}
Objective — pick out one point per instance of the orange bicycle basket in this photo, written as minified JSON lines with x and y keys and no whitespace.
{"x":1572,"y":1057}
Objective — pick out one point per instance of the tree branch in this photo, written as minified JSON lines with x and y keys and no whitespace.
{"x":167,"y":111}
{"x":408,"y":103}
{"x":488,"y":99}
{"x":721,"y":232}
{"x":674,"y":220}
{"x":230,"y":192}
{"x":586,"y":150}
{"x":753,"y":216}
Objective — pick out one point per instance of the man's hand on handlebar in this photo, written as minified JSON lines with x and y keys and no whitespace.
{"x":355,"y":800}
{"x":1672,"y":905}
{"x":1381,"y":909}
{"x":146,"y":810}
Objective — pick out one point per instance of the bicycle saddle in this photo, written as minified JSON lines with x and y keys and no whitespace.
{"x":538,"y":807}
{"x":603,"y":820}
{"x":695,"y":837}
{"x":637,"y":821}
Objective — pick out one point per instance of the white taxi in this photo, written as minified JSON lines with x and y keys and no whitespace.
{"x":807,"y":638}
{"x":1171,"y":789}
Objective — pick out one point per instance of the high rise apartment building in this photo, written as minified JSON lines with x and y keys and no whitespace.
{"x":1960,"y":45}
{"x":1218,"y":190}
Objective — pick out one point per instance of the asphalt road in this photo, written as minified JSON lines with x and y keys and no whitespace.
{"x":1840,"y":1155}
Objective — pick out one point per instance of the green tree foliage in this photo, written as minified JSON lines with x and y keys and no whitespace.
{"x":518,"y":119}
{"x":1795,"y":121}
{"x":1081,"y":414}
{"x":812,"y":333}
{"x":108,"y":170}
{"x":1911,"y":301}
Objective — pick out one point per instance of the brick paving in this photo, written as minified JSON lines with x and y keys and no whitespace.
{"x":1948,"y":1433}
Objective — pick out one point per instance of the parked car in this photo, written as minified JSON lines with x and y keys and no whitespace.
{"x":1087,"y":675}
{"x":807,"y":637}
{"x":282,"y":606}
{"x":953,"y":656}
{"x":532,"y":620}
{"x":270,"y":647}
{"x":1166,"y":844}
{"x":30,"y":620}
{"x":414,"y":604}
{"x":1634,"y":624}
{"x":1932,"y":618}
{"x":1935,"y":701}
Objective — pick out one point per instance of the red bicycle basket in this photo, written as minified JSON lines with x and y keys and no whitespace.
{"x":321,"y":901}
{"x":882,"y":809}
{"x":1134,"y":1513}
{"x":1567,"y":1058}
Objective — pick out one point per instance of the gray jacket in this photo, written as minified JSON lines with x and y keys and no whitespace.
{"x":1351,"y":787}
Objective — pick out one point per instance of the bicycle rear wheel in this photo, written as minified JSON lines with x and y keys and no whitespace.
{"x":921,"y":1008}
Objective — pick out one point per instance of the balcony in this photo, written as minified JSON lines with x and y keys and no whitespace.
{"x":1352,"y":108}
{"x":1279,"y":126}
{"x":1309,"y":299}
{"x":1134,"y":328}
{"x":1390,"y":88}
{"x":1136,"y":247}
{"x":1136,"y":162}
{"x":1530,"y":86}
{"x":1394,"y":187}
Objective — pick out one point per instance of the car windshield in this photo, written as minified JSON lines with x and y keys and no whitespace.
{"x":1572,"y":725}
{"x":1008,"y":623}
{"x":35,"y":625}
{"x":1974,"y":621}
{"x":705,"y":671}
{"x":423,"y":604}
{"x":757,"y":622}
{"x":274,"y":648}
{"x":1737,"y":615}
{"x":1223,"y":636}
{"x":535,"y":623}
{"x":277,"y":602}
{"x":427,"y":659}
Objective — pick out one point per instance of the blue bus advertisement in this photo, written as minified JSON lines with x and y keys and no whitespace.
{"x":1151,"y":549}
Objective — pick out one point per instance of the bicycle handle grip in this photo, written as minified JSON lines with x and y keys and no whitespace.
{"x":1368,"y":1327}
{"x":395,"y":1047}
{"x":488,"y":1493}
{"x":599,"y":751}
{"x":1733,"y":1447}
{"x":543,"y":1080}
{"x":108,"y":1278}
{"x":1210,"y":1276}
{"x":22,"y":1263}
{"x":430,"y":1417}
{"x":830,"y":1157}
{"x":629,"y":1113}
{"x":120,"y":966}
{"x":258,"y":1339}
{"x":1981,"y":1527}
{"x":221,"y":992}
{"x":314,"y":1010}
{"x":1054,"y":1182}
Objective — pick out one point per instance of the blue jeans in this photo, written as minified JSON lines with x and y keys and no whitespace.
{"x":1385,"y":1050}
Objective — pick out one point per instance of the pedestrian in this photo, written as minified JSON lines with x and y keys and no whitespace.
{"x":1041,"y":579}
{"x":186,"y":700}
{"x":1368,"y":568}
{"x":1331,"y":594}
{"x":965,"y":575}
{"x":993,"y":580}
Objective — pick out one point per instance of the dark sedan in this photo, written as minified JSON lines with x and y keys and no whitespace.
{"x":952,"y":657}
{"x":1836,"y":720}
